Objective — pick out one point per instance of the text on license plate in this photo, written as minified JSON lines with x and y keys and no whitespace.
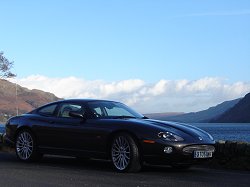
{"x":203,"y":154}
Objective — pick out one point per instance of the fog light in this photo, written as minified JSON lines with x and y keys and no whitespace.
{"x":168,"y":150}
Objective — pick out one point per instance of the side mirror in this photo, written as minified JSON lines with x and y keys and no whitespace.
{"x":76,"y":114}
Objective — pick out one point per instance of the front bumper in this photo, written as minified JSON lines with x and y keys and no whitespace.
{"x":172,"y":153}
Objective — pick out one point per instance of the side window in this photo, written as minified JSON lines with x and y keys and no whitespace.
{"x":48,"y":110}
{"x":66,"y":108}
{"x":97,"y":111}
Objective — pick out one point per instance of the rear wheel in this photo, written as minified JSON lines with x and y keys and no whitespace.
{"x":26,"y":149}
{"x":125,"y":153}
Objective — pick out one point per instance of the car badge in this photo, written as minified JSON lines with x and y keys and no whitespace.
{"x":200,"y":138}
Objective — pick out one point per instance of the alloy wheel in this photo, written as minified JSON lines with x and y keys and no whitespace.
{"x":24,"y":145}
{"x":121,"y":153}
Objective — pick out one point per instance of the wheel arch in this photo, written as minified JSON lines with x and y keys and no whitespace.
{"x":34,"y":154}
{"x":25,"y":128}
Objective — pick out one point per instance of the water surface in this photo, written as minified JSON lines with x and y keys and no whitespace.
{"x":227,"y":131}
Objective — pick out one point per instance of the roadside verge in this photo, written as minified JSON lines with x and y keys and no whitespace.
{"x":231,"y":155}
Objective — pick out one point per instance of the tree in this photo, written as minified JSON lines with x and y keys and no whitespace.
{"x":5,"y":67}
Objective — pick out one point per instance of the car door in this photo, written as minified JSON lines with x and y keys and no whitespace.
{"x":56,"y":129}
{"x":59,"y":132}
{"x":76,"y":133}
{"x":67,"y":130}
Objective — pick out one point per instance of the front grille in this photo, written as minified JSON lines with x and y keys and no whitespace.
{"x":191,"y":148}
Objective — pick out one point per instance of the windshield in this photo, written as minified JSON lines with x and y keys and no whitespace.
{"x":109,"y":109}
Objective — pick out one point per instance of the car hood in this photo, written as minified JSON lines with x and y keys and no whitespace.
{"x":184,"y":130}
{"x":151,"y":128}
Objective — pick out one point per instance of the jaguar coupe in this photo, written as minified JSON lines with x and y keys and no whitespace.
{"x":88,"y":128}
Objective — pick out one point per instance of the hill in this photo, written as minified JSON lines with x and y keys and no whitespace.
{"x":240,"y":113}
{"x":25,"y":101}
{"x":202,"y":116}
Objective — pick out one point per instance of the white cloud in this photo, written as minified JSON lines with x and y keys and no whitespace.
{"x":162,"y":96}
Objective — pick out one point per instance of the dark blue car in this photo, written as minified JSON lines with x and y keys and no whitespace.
{"x":107,"y":130}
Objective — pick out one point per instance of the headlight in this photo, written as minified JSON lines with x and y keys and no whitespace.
{"x":170,"y":137}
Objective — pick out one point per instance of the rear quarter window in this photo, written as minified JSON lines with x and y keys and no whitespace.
{"x":47,"y":110}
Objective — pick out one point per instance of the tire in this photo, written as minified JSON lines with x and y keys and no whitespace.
{"x":125,"y":154}
{"x":26,"y":147}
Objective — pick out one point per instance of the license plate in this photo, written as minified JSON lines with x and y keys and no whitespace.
{"x":203,"y":154}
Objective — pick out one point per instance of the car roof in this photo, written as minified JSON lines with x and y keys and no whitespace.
{"x":68,"y":101}
{"x":77,"y":101}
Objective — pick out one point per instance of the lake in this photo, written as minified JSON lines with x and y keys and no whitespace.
{"x":220,"y":131}
{"x":227,"y":131}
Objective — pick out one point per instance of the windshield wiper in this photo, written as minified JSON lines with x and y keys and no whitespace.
{"x":123,"y":117}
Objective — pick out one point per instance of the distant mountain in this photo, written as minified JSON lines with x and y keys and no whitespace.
{"x":240,"y":113}
{"x":202,"y":116}
{"x":14,"y":97}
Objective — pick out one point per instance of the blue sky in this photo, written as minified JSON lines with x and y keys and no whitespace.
{"x":119,"y":40}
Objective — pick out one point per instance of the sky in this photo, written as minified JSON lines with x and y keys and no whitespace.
{"x":153,"y":55}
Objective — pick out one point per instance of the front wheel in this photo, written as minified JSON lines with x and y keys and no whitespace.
{"x":125,"y":153}
{"x":26,"y":149}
